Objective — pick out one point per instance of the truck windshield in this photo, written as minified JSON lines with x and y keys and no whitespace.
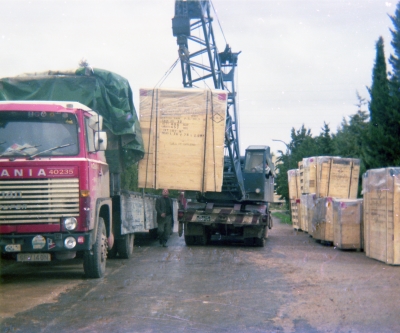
{"x":25,"y":133}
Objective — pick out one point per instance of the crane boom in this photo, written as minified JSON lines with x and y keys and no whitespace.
{"x":193,"y":19}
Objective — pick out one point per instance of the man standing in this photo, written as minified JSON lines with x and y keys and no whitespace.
{"x":164,"y":217}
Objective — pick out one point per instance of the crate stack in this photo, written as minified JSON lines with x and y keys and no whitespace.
{"x":381,"y":191}
{"x":323,"y":181}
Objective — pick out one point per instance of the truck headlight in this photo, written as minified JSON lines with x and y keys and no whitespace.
{"x":70,"y":223}
{"x":70,"y":242}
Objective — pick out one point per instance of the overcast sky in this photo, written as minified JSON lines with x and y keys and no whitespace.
{"x":302,"y":61}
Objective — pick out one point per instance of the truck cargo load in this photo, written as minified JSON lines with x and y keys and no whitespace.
{"x":105,"y":92}
{"x":183,"y":134}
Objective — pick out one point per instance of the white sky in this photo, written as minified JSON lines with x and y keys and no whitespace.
{"x":302,"y":61}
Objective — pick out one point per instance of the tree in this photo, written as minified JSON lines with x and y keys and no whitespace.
{"x":381,"y":148}
{"x":349,"y":141}
{"x":394,"y":60}
{"x":324,"y":141}
{"x":301,"y":145}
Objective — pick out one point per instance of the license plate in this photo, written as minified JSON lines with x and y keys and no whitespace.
{"x":203,"y":218}
{"x":33,"y":257}
{"x":13,"y":248}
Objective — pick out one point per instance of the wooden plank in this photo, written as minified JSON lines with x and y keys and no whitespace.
{"x":183,"y":133}
{"x":301,"y":178}
{"x":323,"y":168}
{"x":292,"y":183}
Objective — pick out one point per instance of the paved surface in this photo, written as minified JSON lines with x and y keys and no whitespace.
{"x":292,"y":285}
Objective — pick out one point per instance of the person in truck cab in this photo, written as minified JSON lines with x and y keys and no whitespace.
{"x":164,"y":217}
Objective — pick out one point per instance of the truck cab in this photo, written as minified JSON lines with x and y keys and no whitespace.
{"x":54,"y":183}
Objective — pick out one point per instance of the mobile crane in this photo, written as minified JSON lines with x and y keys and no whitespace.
{"x":240,"y":210}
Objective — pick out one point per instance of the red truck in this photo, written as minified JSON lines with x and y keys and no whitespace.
{"x":60,"y":192}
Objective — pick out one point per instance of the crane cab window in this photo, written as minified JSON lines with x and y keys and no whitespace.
{"x":254,"y":162}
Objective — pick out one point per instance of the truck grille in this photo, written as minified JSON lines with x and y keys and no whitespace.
{"x":38,"y":200}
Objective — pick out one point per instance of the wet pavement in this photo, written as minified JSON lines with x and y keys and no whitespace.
{"x":215,"y":288}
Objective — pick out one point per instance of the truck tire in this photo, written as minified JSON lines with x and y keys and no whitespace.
{"x":203,"y":239}
{"x":94,"y":261}
{"x":259,"y":242}
{"x":190,"y":240}
{"x":125,"y":246}
{"x":112,"y":253}
{"x":153,"y":233}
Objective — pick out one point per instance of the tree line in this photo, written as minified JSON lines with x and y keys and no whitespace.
{"x":372,"y":134}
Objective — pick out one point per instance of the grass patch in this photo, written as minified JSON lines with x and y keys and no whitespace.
{"x":283,"y":216}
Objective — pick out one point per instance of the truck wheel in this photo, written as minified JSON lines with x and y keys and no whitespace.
{"x":153,"y":233}
{"x":249,"y":241}
{"x":260,"y":242}
{"x":112,"y":253}
{"x":94,"y":261}
{"x":203,"y":239}
{"x":190,"y":240}
{"x":125,"y":246}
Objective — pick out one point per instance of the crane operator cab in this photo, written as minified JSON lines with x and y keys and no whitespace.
{"x":258,"y":174}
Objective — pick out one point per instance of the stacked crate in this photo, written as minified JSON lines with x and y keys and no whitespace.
{"x":348,"y":224}
{"x":337,"y":178}
{"x":381,"y":190}
{"x":320,"y":180}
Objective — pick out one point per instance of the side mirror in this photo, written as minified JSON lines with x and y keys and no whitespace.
{"x":100,"y":141}
{"x":96,"y":122}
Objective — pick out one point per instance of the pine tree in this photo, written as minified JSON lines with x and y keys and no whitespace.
{"x":393,"y":115}
{"x":394,"y":60}
{"x":324,"y":141}
{"x":381,"y":139}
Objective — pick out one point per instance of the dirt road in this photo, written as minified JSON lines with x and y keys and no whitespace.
{"x":292,"y":285}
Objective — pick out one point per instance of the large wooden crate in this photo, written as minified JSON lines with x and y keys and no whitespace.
{"x":183,"y":132}
{"x":309,"y":175}
{"x":343,"y":180}
{"x":322,"y":222}
{"x":381,"y":190}
{"x":294,"y":210}
{"x":337,"y":177}
{"x":347,"y":223}
{"x":292,"y":183}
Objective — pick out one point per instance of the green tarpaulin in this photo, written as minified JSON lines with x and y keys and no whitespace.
{"x":105,"y":92}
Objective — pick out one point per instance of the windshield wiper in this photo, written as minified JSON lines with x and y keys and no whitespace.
{"x":18,"y":150}
{"x":31,"y":157}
